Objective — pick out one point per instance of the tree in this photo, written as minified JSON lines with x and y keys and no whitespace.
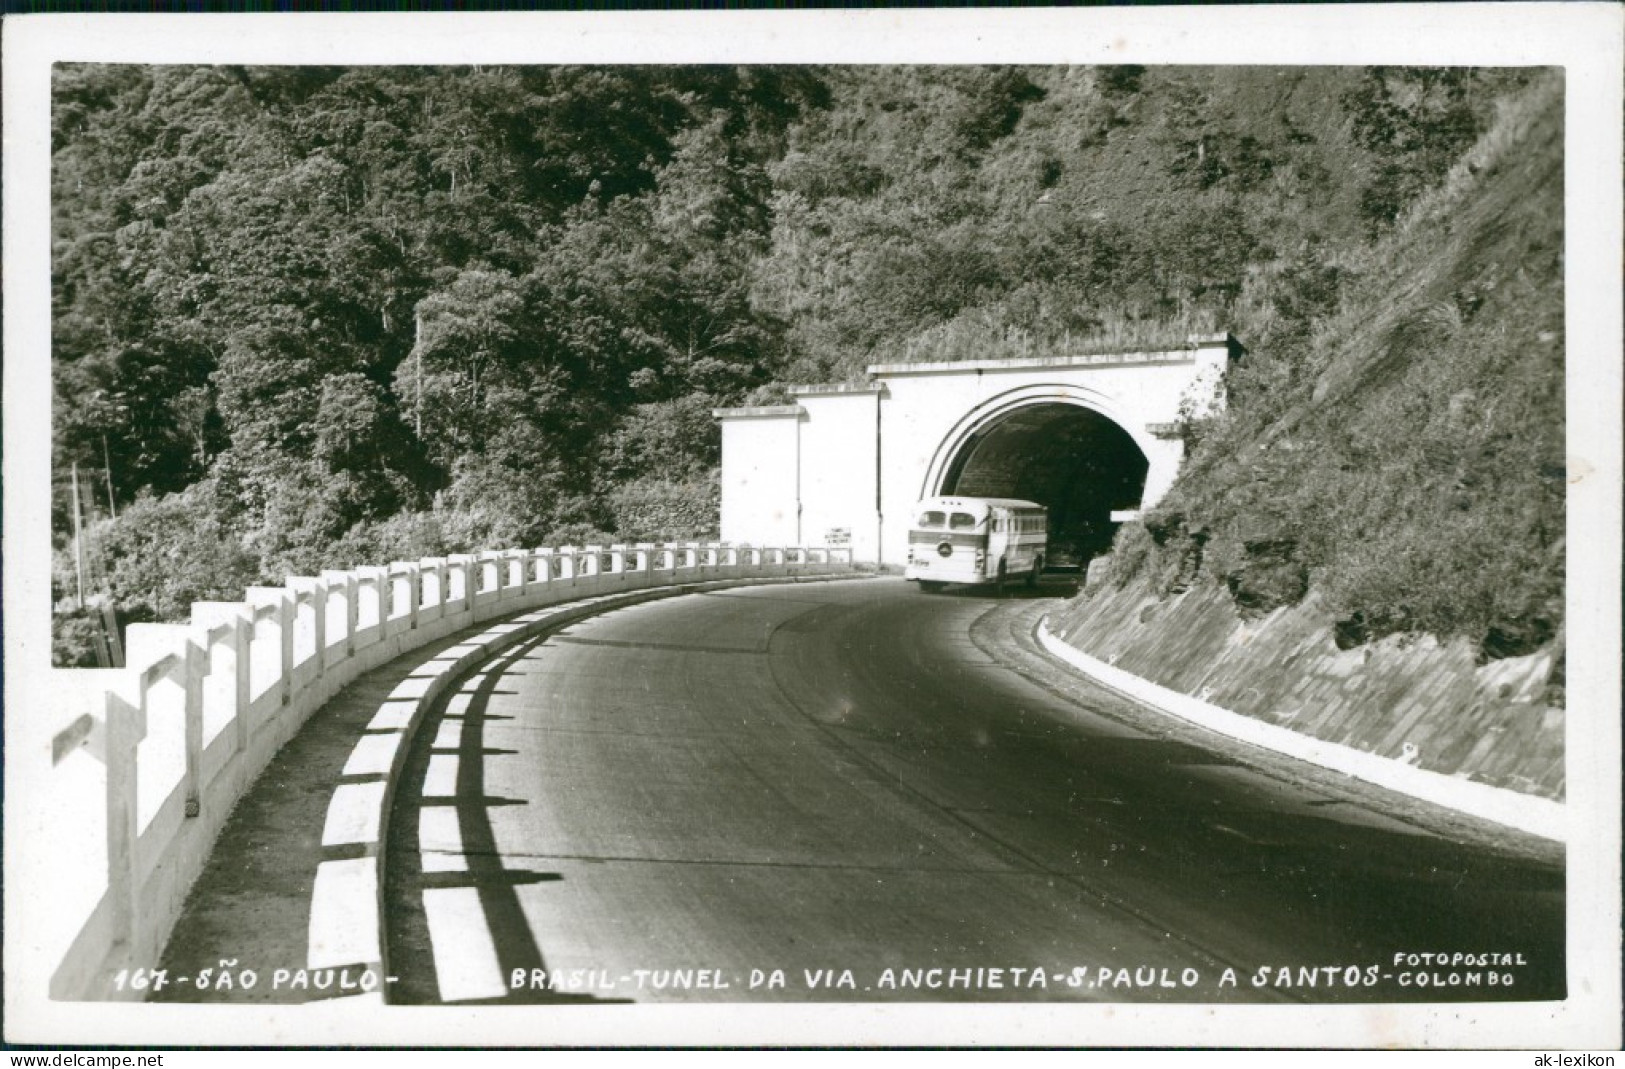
{"x":164,"y":553}
{"x":471,"y":332}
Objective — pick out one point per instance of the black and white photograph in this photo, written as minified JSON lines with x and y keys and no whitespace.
{"x":1090,"y":528}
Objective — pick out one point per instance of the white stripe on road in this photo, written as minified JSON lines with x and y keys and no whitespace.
{"x":354,"y":814}
{"x":344,"y":914}
{"x":440,"y":781}
{"x":374,"y":755}
{"x":465,"y":958}
{"x":450,"y":735}
{"x":440,"y":840}
{"x":393,"y":716}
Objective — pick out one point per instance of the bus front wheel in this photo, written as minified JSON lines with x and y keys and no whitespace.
{"x":931,"y":586}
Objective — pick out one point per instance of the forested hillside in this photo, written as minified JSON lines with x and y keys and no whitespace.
{"x":311,"y":317}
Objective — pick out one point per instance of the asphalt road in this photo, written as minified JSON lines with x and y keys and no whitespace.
{"x":850,"y":791}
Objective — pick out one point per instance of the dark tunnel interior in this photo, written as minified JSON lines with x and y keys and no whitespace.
{"x":1074,"y":461}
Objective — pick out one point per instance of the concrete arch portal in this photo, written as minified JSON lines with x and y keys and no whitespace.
{"x":1062,"y":454}
{"x":1087,"y":436}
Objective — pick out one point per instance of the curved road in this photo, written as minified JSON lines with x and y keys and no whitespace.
{"x":835,"y":791}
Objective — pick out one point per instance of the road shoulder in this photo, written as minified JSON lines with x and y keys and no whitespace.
{"x":1006,"y":632}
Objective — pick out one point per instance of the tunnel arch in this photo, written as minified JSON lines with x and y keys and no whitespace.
{"x":1060,"y":446}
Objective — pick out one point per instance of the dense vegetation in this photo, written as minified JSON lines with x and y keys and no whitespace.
{"x":311,"y":317}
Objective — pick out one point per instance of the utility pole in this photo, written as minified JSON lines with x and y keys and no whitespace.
{"x":78,"y":538}
{"x":417,"y":357}
{"x":107,"y":468}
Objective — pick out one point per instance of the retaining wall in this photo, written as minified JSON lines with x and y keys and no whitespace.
{"x":1413,"y":700}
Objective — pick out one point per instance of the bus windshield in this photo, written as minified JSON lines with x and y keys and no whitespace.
{"x":940,"y":519}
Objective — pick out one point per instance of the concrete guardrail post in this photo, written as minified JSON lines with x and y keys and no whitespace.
{"x":168,"y":652}
{"x":126,"y":726}
{"x":518,"y":577}
{"x":313,"y":591}
{"x":235,"y":618}
{"x":378,"y":577}
{"x":281,"y":602}
{"x":640,"y":562}
{"x":194,"y":666}
{"x":490,"y":575}
{"x":459,"y":570}
{"x":589,"y":567}
{"x":409,"y":576}
{"x":343,"y":583}
{"x":432,"y":587}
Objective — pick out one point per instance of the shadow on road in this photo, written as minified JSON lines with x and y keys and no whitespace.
{"x":1053,"y":586}
{"x":477,"y":867}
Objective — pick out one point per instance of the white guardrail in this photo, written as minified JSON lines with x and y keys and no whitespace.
{"x":148,"y":760}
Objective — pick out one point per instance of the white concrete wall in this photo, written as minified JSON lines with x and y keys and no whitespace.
{"x":839,"y":468}
{"x":760,"y":457}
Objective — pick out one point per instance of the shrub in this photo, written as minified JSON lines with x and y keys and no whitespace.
{"x":661,"y":510}
{"x":160,"y":555}
{"x":76,"y":634}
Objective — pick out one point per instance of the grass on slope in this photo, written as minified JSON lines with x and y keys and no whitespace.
{"x":1407,"y":459}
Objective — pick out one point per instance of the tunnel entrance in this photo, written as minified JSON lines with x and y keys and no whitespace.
{"x":1073,"y":460}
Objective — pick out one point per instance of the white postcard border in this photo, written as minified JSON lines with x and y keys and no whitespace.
{"x":1583,"y":38}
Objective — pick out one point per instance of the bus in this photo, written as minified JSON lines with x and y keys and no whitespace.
{"x":975,"y":540}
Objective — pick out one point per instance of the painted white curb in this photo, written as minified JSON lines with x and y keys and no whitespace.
{"x":347,"y":901}
{"x":1527,"y":813}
